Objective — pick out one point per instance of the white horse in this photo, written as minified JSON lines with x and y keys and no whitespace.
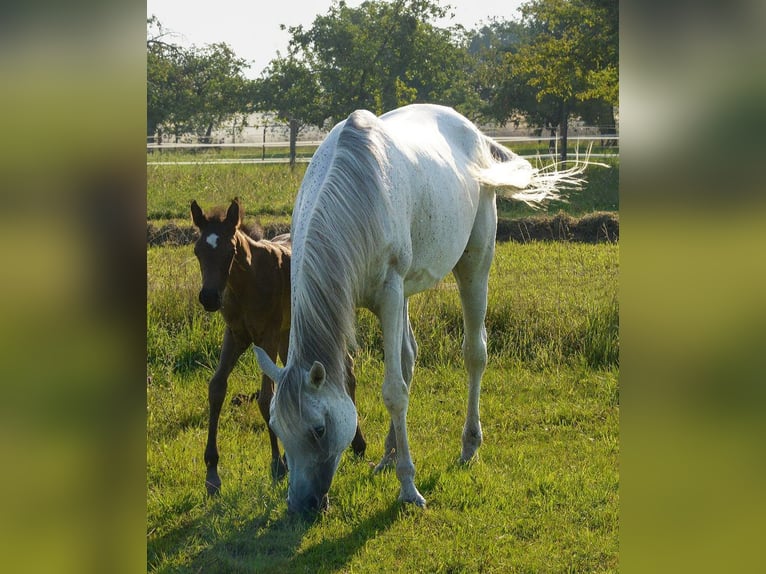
{"x":387,"y":208}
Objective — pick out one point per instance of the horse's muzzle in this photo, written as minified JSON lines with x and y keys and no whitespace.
{"x":210,"y":299}
{"x":308,"y":506}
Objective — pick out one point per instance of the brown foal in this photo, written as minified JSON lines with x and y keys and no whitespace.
{"x":249,"y":282}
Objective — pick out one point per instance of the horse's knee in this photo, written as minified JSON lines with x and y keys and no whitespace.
{"x":475,"y":354}
{"x":395,"y":396}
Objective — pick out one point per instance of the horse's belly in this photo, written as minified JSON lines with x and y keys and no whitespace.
{"x":420,"y":280}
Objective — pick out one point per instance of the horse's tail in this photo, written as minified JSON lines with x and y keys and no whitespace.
{"x":506,"y":169}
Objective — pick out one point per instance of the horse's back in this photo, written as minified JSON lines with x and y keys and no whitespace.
{"x":436,"y":151}
{"x":435,"y":130}
{"x":419,"y":191}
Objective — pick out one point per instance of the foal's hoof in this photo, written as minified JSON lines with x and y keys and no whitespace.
{"x":242,"y":399}
{"x":359,"y":446}
{"x":278,"y":468}
{"x":213,"y":483}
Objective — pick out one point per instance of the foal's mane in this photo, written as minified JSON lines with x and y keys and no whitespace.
{"x":345,"y":224}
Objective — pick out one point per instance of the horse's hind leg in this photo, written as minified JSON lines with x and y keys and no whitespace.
{"x":230,"y":352}
{"x":358,"y":444}
{"x":278,"y":463}
{"x":472,"y":276}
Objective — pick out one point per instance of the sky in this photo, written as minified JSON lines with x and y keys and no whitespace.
{"x":253,"y":31}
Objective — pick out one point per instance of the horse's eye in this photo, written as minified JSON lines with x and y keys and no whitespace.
{"x":318,"y":431}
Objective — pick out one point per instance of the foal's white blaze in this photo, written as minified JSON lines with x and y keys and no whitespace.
{"x":212,"y":240}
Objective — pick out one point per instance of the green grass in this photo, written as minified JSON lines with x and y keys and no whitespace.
{"x":541,"y":497}
{"x":268,"y":191}
{"x":599,"y":193}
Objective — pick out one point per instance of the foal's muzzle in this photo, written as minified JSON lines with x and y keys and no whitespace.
{"x":210,"y":299}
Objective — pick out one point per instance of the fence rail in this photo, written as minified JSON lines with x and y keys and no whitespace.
{"x":151,"y":147}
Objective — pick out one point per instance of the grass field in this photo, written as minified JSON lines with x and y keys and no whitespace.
{"x":268,"y":191}
{"x":542,"y":495}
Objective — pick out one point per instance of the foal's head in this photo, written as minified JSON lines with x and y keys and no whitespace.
{"x":215,"y":250}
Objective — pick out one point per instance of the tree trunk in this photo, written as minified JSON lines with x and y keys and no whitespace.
{"x":564,"y":126}
{"x":293,"y":140}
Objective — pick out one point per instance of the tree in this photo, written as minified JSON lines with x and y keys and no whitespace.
{"x":163,"y":65}
{"x":288,"y":88}
{"x":194,"y":90}
{"x":565,"y":64}
{"x":488,"y":46}
{"x":216,"y":88}
{"x":378,"y":56}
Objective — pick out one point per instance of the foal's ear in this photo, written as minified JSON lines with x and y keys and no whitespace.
{"x":317,"y":375}
{"x":198,"y":217}
{"x":234,"y":214}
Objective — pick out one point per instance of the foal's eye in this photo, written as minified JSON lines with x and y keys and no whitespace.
{"x":318,"y":431}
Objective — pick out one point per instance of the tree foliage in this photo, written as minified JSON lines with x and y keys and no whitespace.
{"x":565,"y":64}
{"x":558,"y":60}
{"x":194,"y":90}
{"x":378,"y":56}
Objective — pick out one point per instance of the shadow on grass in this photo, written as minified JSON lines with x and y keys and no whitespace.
{"x":272,"y":542}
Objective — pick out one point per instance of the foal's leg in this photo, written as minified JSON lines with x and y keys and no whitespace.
{"x":231,"y":349}
{"x":278,"y":464}
{"x":358,"y":444}
{"x":409,"y":354}
{"x":472,"y":275}
{"x":391,"y":310}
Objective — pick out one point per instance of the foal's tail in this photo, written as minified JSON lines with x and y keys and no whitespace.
{"x":507,"y":169}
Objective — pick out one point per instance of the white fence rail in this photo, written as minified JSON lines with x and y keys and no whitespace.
{"x":576,"y":141}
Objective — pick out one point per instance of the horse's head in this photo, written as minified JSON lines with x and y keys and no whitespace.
{"x":316,"y":421}
{"x":215,"y":250}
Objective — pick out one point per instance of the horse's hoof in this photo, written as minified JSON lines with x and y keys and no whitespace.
{"x":413,"y":498}
{"x":278,"y":469}
{"x":213,"y":485}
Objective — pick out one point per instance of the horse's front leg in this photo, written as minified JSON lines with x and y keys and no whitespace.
{"x":409,"y":354}
{"x":391,"y":311}
{"x":231,"y":349}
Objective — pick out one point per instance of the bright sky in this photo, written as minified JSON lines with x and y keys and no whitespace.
{"x":252,"y":28}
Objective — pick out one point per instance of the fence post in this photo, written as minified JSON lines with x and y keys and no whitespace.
{"x":293,"y":138}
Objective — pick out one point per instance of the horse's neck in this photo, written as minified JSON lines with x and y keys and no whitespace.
{"x":241,"y":267}
{"x":320,"y":328}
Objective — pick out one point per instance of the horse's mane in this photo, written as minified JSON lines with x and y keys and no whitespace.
{"x":347,"y":219}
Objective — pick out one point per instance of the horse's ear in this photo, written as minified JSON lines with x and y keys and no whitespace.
{"x":317,"y":375}
{"x":197,"y":216}
{"x":268,"y":366}
{"x":234,"y":214}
